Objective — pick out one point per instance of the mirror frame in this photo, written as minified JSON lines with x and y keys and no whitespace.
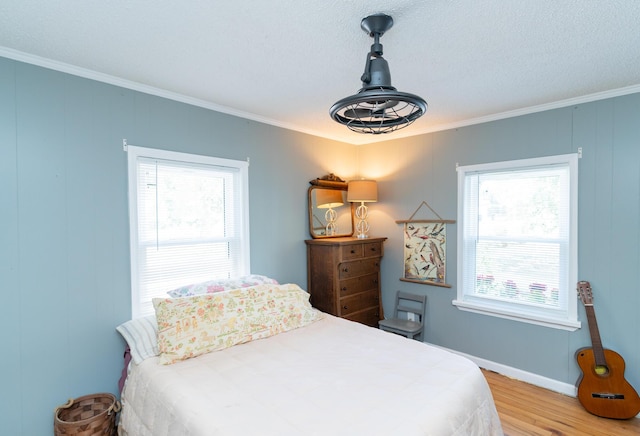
{"x":328,"y":182}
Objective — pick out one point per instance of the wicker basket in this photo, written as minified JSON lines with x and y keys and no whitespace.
{"x":87,"y":416}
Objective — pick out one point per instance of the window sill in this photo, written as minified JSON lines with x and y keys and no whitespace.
{"x":499,"y":312}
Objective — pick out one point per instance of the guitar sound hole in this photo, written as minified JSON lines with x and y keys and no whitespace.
{"x":601,"y":370}
{"x":608,"y":396}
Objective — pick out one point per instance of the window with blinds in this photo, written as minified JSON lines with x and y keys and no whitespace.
{"x":188,"y":222}
{"x":517,"y":240}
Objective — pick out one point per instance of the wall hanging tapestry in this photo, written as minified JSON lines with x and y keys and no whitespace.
{"x":425,"y":249}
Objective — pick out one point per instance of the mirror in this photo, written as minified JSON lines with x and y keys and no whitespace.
{"x":330,"y":214}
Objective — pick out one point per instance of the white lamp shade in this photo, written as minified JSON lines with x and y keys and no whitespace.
{"x":328,"y":198}
{"x":362,"y":191}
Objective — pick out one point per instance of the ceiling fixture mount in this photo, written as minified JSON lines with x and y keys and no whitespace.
{"x":377,"y":107}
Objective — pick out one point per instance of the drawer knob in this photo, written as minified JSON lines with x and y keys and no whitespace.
{"x":373,"y":248}
{"x":344,"y":288}
{"x":345,"y":269}
{"x":375,"y":281}
{"x":345,"y":307}
{"x":353,"y":251}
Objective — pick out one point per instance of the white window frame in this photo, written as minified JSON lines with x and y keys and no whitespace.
{"x":566,"y":317}
{"x":133,"y":153}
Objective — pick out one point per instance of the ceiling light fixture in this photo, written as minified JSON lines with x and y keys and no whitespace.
{"x":377,"y":107}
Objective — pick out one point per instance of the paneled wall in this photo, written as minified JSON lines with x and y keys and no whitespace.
{"x":64,"y":226}
{"x":64,"y":256}
{"x":424,"y":168}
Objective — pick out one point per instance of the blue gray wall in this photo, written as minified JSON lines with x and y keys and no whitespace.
{"x":64,"y":257}
{"x":423,"y":168}
{"x":64,"y":250}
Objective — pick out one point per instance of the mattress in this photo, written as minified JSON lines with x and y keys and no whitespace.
{"x":332,"y":377}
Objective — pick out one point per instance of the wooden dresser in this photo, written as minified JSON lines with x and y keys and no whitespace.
{"x":343,"y":277}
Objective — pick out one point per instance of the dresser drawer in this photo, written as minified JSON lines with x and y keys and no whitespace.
{"x":358,"y":302}
{"x":358,"y":284}
{"x":347,"y":270}
{"x":368,"y":317}
{"x":372,"y":249}
{"x":353,"y":251}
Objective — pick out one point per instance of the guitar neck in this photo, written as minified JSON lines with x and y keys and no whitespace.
{"x":596,"y":342}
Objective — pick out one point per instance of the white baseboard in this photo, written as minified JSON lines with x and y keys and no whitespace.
{"x":518,"y":374}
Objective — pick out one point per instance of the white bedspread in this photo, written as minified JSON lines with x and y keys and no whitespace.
{"x":333,"y":377}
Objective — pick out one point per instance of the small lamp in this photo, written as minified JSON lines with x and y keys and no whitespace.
{"x":328,"y":199}
{"x":362,"y":191}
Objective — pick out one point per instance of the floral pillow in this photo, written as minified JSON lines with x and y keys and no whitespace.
{"x":191,"y":326}
{"x":220,"y":285}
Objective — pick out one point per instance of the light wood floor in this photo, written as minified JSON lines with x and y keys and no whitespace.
{"x":525,"y":409}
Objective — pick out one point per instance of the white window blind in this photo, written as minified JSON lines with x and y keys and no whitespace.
{"x":517,"y":240}
{"x":189,"y":222}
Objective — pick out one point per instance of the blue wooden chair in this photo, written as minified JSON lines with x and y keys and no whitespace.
{"x":407,"y":303}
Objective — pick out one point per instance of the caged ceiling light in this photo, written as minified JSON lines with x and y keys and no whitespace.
{"x":377,"y":107}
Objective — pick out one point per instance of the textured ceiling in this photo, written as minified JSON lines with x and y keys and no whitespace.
{"x":285,"y":62}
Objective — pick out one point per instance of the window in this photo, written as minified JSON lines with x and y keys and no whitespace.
{"x":517,"y":240}
{"x":188,"y":222}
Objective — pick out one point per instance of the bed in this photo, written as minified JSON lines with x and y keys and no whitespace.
{"x":322,"y":376}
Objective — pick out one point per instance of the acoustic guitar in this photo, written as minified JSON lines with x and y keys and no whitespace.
{"x":602,"y":388}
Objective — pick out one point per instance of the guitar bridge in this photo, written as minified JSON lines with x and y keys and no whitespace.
{"x":607,"y":396}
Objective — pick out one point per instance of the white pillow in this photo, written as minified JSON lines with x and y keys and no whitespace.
{"x":141,"y":335}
